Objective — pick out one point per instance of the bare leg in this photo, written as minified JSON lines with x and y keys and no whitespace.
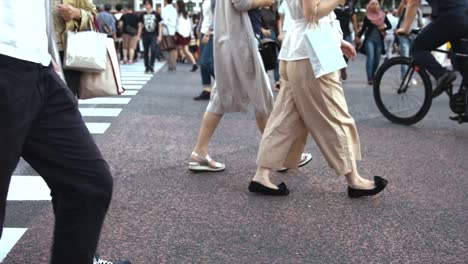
{"x":261,"y":123}
{"x":356,"y":181}
{"x":131,"y":54}
{"x":208,"y":127}
{"x":262,"y":176}
{"x":188,"y":54}
{"x":173,"y":58}
{"x":125,"y":55}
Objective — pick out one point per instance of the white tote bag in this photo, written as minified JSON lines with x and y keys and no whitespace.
{"x":86,"y":51}
{"x":324,"y":47}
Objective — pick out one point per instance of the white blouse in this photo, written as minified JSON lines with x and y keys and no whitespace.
{"x":295,"y":44}
{"x":184,"y":26}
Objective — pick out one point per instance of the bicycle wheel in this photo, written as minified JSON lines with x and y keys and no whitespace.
{"x":402,"y":92}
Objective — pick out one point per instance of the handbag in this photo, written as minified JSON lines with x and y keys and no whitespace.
{"x":167,"y":43}
{"x":131,"y":30}
{"x":85,"y":51}
{"x":324,"y":50}
{"x":106,"y":83}
{"x":268,"y":49}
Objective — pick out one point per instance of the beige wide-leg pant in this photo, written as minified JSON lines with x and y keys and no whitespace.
{"x":309,"y":105}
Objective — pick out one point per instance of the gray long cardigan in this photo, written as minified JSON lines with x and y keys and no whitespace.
{"x":239,"y":71}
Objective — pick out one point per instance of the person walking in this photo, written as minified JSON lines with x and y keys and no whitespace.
{"x":148,"y":29}
{"x":184,"y":32}
{"x":307,"y":104}
{"x":106,"y":22}
{"x":42,"y":124}
{"x":71,"y":16}
{"x":390,"y":34}
{"x":167,"y":30}
{"x":346,"y":14}
{"x":406,"y":41}
{"x":269,"y":28}
{"x":374,"y":26}
{"x":129,"y":24}
{"x":206,"y":49}
{"x":240,"y":77}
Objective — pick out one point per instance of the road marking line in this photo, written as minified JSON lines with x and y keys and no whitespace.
{"x":133,"y":87}
{"x":97,"y":128}
{"x":28,"y":188}
{"x":129,"y":92}
{"x":10,"y":237}
{"x":113,"y":112}
{"x":105,"y":100}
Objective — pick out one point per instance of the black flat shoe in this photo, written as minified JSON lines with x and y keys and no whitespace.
{"x":380,"y":184}
{"x":256,"y":187}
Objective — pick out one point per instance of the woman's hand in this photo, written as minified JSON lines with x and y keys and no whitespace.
{"x":348,"y":50}
{"x":68,"y":12}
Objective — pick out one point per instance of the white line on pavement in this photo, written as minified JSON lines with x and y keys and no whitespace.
{"x":100,"y":111}
{"x":97,"y":128}
{"x":28,"y":188}
{"x":104,"y":100}
{"x":10,"y":237}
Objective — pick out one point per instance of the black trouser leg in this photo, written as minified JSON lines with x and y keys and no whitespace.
{"x":446,"y":27}
{"x":153,"y":50}
{"x":146,"y":44}
{"x":60,"y":148}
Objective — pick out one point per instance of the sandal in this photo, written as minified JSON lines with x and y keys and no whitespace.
{"x":206,"y":164}
{"x":305,"y":158}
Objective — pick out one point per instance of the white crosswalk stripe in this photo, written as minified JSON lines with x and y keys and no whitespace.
{"x":33,"y":188}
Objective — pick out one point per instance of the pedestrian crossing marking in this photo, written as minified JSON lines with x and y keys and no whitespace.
{"x":129,"y":92}
{"x":113,"y":112}
{"x":97,"y":128}
{"x":106,"y":100}
{"x":133,"y":82}
{"x":10,"y":237}
{"x":132,"y":87}
{"x":136,"y":78}
{"x":28,"y":188}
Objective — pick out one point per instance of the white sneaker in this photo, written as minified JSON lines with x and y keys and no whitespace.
{"x":305,"y":158}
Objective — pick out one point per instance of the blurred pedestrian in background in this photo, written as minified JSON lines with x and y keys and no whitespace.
{"x":374,"y":26}
{"x":148,"y":30}
{"x":346,"y":14}
{"x":167,"y":30}
{"x":405,"y":41}
{"x":206,"y":49}
{"x":118,"y":40}
{"x":184,"y":33}
{"x":106,"y":22}
{"x":270,"y":18}
{"x":390,"y":34}
{"x":130,"y":38}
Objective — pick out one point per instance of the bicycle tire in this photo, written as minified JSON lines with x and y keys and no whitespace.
{"x":392,"y":115}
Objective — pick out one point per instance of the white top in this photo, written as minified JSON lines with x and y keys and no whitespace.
{"x":394,"y":22}
{"x":169,"y":20}
{"x":207,"y":17}
{"x":284,"y":10}
{"x":184,"y":26}
{"x":20,"y":38}
{"x":295,"y":46}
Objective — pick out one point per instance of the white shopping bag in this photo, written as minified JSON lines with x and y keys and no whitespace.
{"x":86,"y":51}
{"x":324,"y":48}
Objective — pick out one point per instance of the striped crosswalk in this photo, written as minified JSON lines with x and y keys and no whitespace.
{"x":98,"y":114}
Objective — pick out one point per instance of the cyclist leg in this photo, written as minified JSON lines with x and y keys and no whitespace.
{"x":445,"y":28}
